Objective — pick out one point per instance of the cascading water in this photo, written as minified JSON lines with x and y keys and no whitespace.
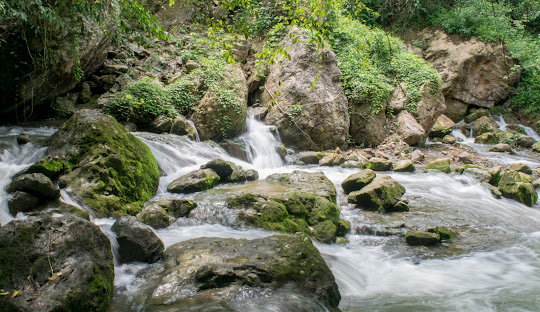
{"x":494,"y":264}
{"x":15,"y":157}
{"x":261,"y":145}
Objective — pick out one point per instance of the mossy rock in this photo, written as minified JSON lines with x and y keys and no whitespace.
{"x":379,"y":164}
{"x":475,"y":115}
{"x":444,"y":233}
{"x":487,"y":138}
{"x":421,"y":238}
{"x":154,"y":216}
{"x":49,"y":166}
{"x":194,"y":181}
{"x":519,"y":167}
{"x":358,"y":180}
{"x":484,"y":124}
{"x":515,"y":186}
{"x":536,"y":147}
{"x":380,"y":195}
{"x":495,"y":175}
{"x":439,"y":165}
{"x":177,"y":207}
{"x":404,"y":165}
{"x":106,"y":167}
{"x":223,"y":168}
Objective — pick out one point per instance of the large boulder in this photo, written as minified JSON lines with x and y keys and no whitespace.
{"x":212,"y":271}
{"x":409,"y":129}
{"x":222,"y":113}
{"x":137,"y":242}
{"x":303,"y":92}
{"x":473,"y":71}
{"x":223,"y":168}
{"x":55,"y":263}
{"x":67,"y":52}
{"x":442,"y":127}
{"x":107,"y":168}
{"x":293,"y":202}
{"x":382,"y":194}
{"x":195,"y":181}
{"x":483,"y":125}
{"x":439,"y":165}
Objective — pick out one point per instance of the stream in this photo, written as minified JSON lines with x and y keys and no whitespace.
{"x":493,"y":265}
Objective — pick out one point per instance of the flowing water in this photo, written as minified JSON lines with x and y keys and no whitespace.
{"x":493,"y":265}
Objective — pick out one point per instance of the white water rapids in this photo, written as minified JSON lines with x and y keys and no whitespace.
{"x":494,"y":264}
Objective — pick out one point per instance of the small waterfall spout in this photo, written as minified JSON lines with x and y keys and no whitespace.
{"x":261,"y":145}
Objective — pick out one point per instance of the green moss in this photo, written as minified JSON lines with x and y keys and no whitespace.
{"x":439,"y":165}
{"x":50,"y":166}
{"x":325,"y":232}
{"x":343,"y":228}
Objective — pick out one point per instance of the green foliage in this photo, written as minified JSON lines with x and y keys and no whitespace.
{"x":183,"y":94}
{"x":373,"y":64}
{"x":141,"y":99}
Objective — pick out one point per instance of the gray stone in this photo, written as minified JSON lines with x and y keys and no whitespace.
{"x":382,"y":194}
{"x":358,"y":180}
{"x":195,"y":181}
{"x":36,"y":184}
{"x":137,"y":242}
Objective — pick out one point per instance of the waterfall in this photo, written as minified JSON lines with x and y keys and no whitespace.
{"x":261,"y":144}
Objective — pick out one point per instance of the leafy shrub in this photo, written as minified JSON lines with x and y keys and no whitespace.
{"x":183,"y":94}
{"x":141,"y":99}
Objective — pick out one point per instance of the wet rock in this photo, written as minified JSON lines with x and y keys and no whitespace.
{"x":211,"y":112}
{"x":382,"y":194}
{"x":421,"y":238}
{"x":67,"y":258}
{"x":519,"y":167}
{"x":479,"y":174}
{"x":487,"y":138}
{"x":281,"y":149}
{"x":513,"y":186}
{"x":476,"y":114}
{"x":493,"y":189}
{"x":36,"y":184}
{"x":49,"y":166}
{"x":161,"y":124}
{"x":380,"y":164}
{"x":310,"y":158}
{"x":465,"y":158}
{"x":536,"y":183}
{"x":401,"y":206}
{"x":525,"y":141}
{"x":464,"y":128}
{"x":86,"y":92}
{"x":502,"y":148}
{"x":404,"y":166}
{"x":483,"y":125}
{"x":442,"y":127}
{"x":321,"y":114}
{"x":137,"y":242}
{"x":221,"y":167}
{"x":220,"y":268}
{"x":310,"y":182}
{"x":536,"y":147}
{"x":22,"y":202}
{"x":111,"y":171}
{"x":252,"y":175}
{"x":177,"y":207}
{"x":358,"y":180}
{"x":23,"y":138}
{"x":235,"y":148}
{"x":181,"y":126}
{"x":238,"y":175}
{"x":439,"y":165}
{"x":154,"y":216}
{"x":259,"y":113}
{"x":495,"y":173}
{"x":449,"y":139}
{"x":195,"y":181}
{"x":444,"y":233}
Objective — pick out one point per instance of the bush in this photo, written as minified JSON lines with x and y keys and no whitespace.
{"x":183,"y":94}
{"x":142,"y":99}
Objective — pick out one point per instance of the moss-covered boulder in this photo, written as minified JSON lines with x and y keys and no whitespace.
{"x":195,"y":181}
{"x":382,"y":194}
{"x":444,"y":233}
{"x":237,"y":175}
{"x":476,"y":114}
{"x":404,"y":165}
{"x":479,"y":174}
{"x":421,"y":238}
{"x":439,"y":165}
{"x":209,"y":272}
{"x":525,"y":141}
{"x":301,"y":202}
{"x":484,"y":124}
{"x":176,"y":207}
{"x":358,"y":180}
{"x":154,"y":216}
{"x":514,"y":186}
{"x":519,"y":167}
{"x":221,"y":167}
{"x":536,"y":147}
{"x":55,"y":263}
{"x":106,"y":167}
{"x":49,"y":166}
{"x":380,"y":164}
{"x":495,"y":173}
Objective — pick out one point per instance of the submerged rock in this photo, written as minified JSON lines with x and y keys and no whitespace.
{"x":421,"y":238}
{"x":56,"y":263}
{"x":107,"y":168}
{"x":214,"y":270}
{"x":137,"y":242}
{"x":382,"y":194}
{"x":195,"y":181}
